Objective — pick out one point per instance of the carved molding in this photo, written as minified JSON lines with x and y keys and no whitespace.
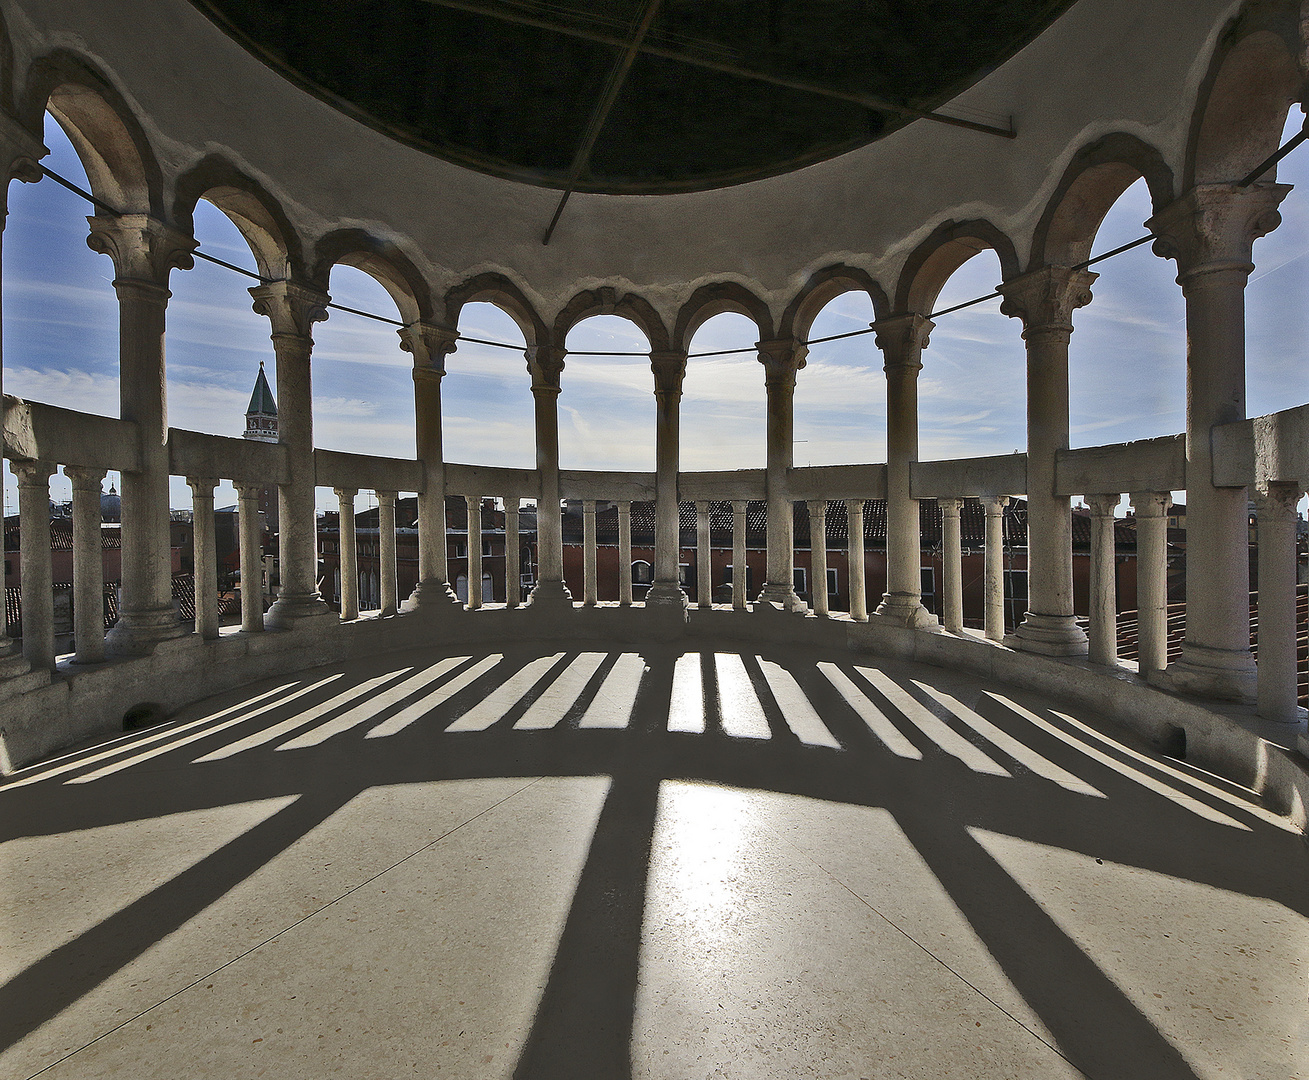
{"x":782,"y":358}
{"x":292,"y":308}
{"x":902,"y":339}
{"x":1045,"y":299}
{"x":143,"y":248}
{"x":429,"y":344}
{"x":1214,"y":226}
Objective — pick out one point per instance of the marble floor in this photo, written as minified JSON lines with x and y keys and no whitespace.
{"x":611,"y":864}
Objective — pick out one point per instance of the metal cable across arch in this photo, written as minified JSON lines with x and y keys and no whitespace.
{"x":1254,"y":174}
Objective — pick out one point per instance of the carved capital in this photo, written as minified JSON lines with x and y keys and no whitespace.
{"x":1045,"y":299}
{"x":143,"y":248}
{"x":31,"y":473}
{"x":1148,"y":504}
{"x":84,"y":479}
{"x":902,"y":339}
{"x":669,"y":370}
{"x":346,"y":495}
{"x":782,"y":358}
{"x":951,"y":507}
{"x":544,"y":364}
{"x":1276,"y":500}
{"x":248,"y":492}
{"x":292,"y":308}
{"x":387,"y":496}
{"x":1103,"y":506}
{"x":202,"y":487}
{"x":994,"y":504}
{"x":20,"y":150}
{"x":429,"y":344}
{"x":1213,"y":227}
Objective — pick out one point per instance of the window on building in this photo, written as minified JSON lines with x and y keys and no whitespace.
{"x":833,"y":584}
{"x":749,"y":577}
{"x":801,"y":579}
{"x":684,"y":573}
{"x":929,"y":581}
{"x":1015,"y":585}
{"x":642,"y":573}
{"x":461,"y":549}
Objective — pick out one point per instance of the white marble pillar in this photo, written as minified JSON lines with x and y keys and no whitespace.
{"x":589,"y":587}
{"x":818,"y":555}
{"x":625,"y":554}
{"x":902,"y":340}
{"x":1151,"y":509}
{"x":144,"y":252}
{"x":34,"y":561}
{"x":1045,"y":300}
{"x":252,"y":558}
{"x":952,"y":565}
{"x":854,"y":511}
{"x":20,"y":151}
{"x":1103,"y":637}
{"x":292,"y":310}
{"x":993,"y":574}
{"x":430,"y":344}
{"x":546,"y":363}
{"x":348,"y":552}
{"x":1278,"y":690}
{"x":740,"y":567}
{"x":1210,"y":232}
{"x":513,"y":564}
{"x":669,"y":370}
{"x":205,"y":549}
{"x":704,"y":577}
{"x":88,"y":565}
{"x":782,"y":359}
{"x":390,"y":593}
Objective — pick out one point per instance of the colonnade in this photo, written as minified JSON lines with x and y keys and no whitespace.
{"x":1209,"y":231}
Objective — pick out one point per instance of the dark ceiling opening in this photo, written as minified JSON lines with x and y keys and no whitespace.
{"x":673,"y":94}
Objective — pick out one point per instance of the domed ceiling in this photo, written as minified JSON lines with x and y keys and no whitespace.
{"x":637,"y":96}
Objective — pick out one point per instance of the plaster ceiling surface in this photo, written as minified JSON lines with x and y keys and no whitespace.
{"x":635,"y":96}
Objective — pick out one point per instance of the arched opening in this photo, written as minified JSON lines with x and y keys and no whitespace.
{"x":606,"y":403}
{"x":486,"y":398}
{"x":724,"y":402}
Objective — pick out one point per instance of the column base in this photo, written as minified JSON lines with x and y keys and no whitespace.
{"x":905,"y":609}
{"x":290,"y":612}
{"x":12,"y":661}
{"x":1226,"y":674}
{"x":138,"y":632}
{"x":431,"y":596}
{"x":666,"y":594}
{"x":550,"y":596}
{"x":1049,"y":635}
{"x":779,"y":596}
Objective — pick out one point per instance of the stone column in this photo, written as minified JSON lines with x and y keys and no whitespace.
{"x":589,"y":586}
{"x":1278,"y":690}
{"x":902,"y":340}
{"x":252,"y":558}
{"x":513,"y":567}
{"x":293,"y":309}
{"x":21,"y":152}
{"x":348,"y":552}
{"x":669,"y":370}
{"x":88,"y":565}
{"x":1210,"y":232}
{"x":854,"y":510}
{"x":545,"y":363}
{"x":34,"y":561}
{"x":430,"y":344}
{"x":386,"y":553}
{"x":144,"y":252}
{"x":1045,"y":300}
{"x":625,"y":554}
{"x":818,"y":555}
{"x":952,"y":565}
{"x":740,"y":567}
{"x":1151,"y":579}
{"x":704,"y":577}
{"x":993,"y":578}
{"x":782,"y":359}
{"x":1103,"y":639}
{"x":205,"y":548}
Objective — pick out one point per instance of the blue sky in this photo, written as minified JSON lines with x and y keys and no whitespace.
{"x":1127,"y":360}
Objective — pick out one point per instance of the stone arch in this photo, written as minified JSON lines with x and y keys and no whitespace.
{"x":951,"y":244}
{"x":604,"y":301}
{"x":821,"y":289}
{"x":710,"y":300}
{"x":497,"y":289}
{"x":260,"y":219}
{"x":381,"y":260}
{"x":1095,"y":178}
{"x":119,"y":161}
{"x":1253,"y":80}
